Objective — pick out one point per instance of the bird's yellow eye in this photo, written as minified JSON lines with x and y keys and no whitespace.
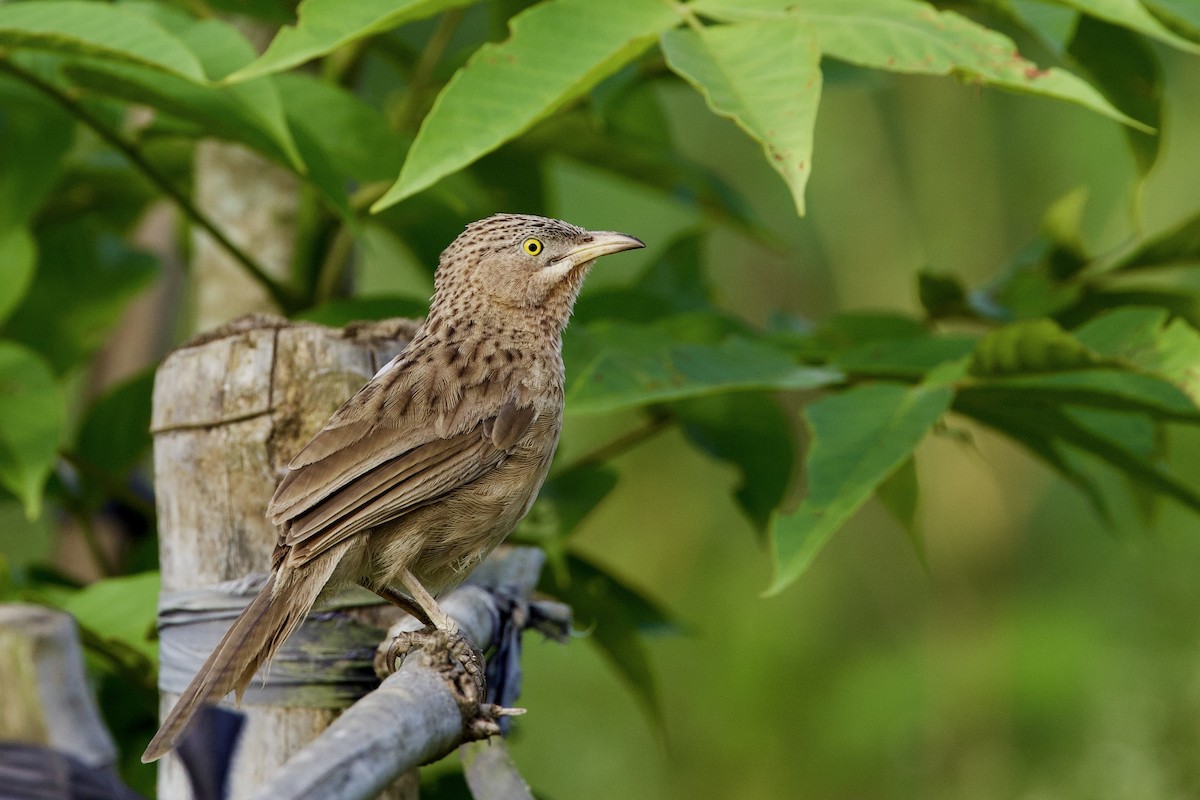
{"x":532,"y":246}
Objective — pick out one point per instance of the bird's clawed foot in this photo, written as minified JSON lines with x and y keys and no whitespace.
{"x":460,"y":664}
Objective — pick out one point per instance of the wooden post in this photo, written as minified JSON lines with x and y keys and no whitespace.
{"x":230,"y":410}
{"x":48,"y":703}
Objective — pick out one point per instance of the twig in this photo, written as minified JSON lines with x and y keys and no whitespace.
{"x":280,"y":293}
{"x":606,"y":452}
{"x":422,"y":74}
{"x":87,"y":529}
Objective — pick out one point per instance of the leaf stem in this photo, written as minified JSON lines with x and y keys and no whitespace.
{"x":422,"y":74}
{"x":689,"y":16}
{"x":279,"y":292}
{"x":659,"y":421}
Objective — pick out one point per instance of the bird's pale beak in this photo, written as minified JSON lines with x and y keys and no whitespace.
{"x":602,"y":243}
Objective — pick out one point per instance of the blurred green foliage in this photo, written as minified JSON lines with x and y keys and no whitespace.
{"x":987,"y":319}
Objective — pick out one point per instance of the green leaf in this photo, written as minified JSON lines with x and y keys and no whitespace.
{"x":250,"y":112}
{"x":323,"y":26}
{"x":115,"y":432}
{"x":911,"y":36}
{"x":34,"y":136}
{"x":765,"y":75}
{"x":846,"y":331}
{"x":18,"y":256}
{"x":82,"y":285}
{"x":899,"y":494}
{"x":614,"y":365}
{"x":674,"y":283}
{"x":660,"y":165}
{"x":32,"y":414}
{"x":616,"y":614}
{"x":1125,"y":67}
{"x":1117,"y":389}
{"x":750,"y":431}
{"x":373,"y":153}
{"x":908,"y":358}
{"x":1053,"y":429}
{"x":1181,"y":16}
{"x":1148,"y":338}
{"x":1177,"y":246}
{"x":557,"y":51}
{"x":120,"y":610}
{"x":1133,"y":15}
{"x":1042,"y":361}
{"x":78,"y":28}
{"x":575,"y":493}
{"x":858,"y":438}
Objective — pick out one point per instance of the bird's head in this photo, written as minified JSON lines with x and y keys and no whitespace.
{"x":522,"y":264}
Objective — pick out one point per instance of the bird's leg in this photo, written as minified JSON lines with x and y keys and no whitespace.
{"x":436,"y":617}
{"x":444,"y":636}
{"x":398,"y":599}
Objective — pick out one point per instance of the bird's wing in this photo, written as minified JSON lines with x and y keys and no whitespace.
{"x":377,"y":459}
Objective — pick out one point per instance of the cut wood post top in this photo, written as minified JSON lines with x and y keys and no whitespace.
{"x":48,"y":699}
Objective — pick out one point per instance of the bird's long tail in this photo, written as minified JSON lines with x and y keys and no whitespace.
{"x":251,"y":641}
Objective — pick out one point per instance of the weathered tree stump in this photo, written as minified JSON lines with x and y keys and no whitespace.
{"x":231,"y":408}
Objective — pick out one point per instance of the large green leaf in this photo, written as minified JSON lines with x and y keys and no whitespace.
{"x":250,"y":112}
{"x":660,"y":165}
{"x":674,"y":283}
{"x":557,"y":51}
{"x":614,"y":365}
{"x":75,"y":27}
{"x":1118,"y":389}
{"x":32,"y":413}
{"x":115,"y":431}
{"x":615,"y":613}
{"x":750,"y":431}
{"x":912,"y":36}
{"x":1182,"y":16}
{"x":1176,"y":246}
{"x":1133,"y":15}
{"x":323,"y":26}
{"x":355,"y":137}
{"x":1040,"y":361}
{"x":1150,"y":339}
{"x":1053,"y":431}
{"x":18,"y":255}
{"x":35,"y":134}
{"x":575,"y":493}
{"x":904,"y":358}
{"x":859,"y":438}
{"x":1126,"y":68}
{"x":765,"y":75}
{"x":120,"y":610}
{"x":83,"y":282}
{"x":900,"y":494}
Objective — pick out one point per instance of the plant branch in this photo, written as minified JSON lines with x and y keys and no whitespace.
{"x":659,"y":421}
{"x":279,"y":292}
{"x":422,"y":74}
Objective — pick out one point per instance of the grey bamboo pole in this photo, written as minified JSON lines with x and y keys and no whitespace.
{"x":49,"y":712}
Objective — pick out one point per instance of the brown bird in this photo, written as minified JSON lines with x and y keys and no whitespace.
{"x":435,"y":460}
